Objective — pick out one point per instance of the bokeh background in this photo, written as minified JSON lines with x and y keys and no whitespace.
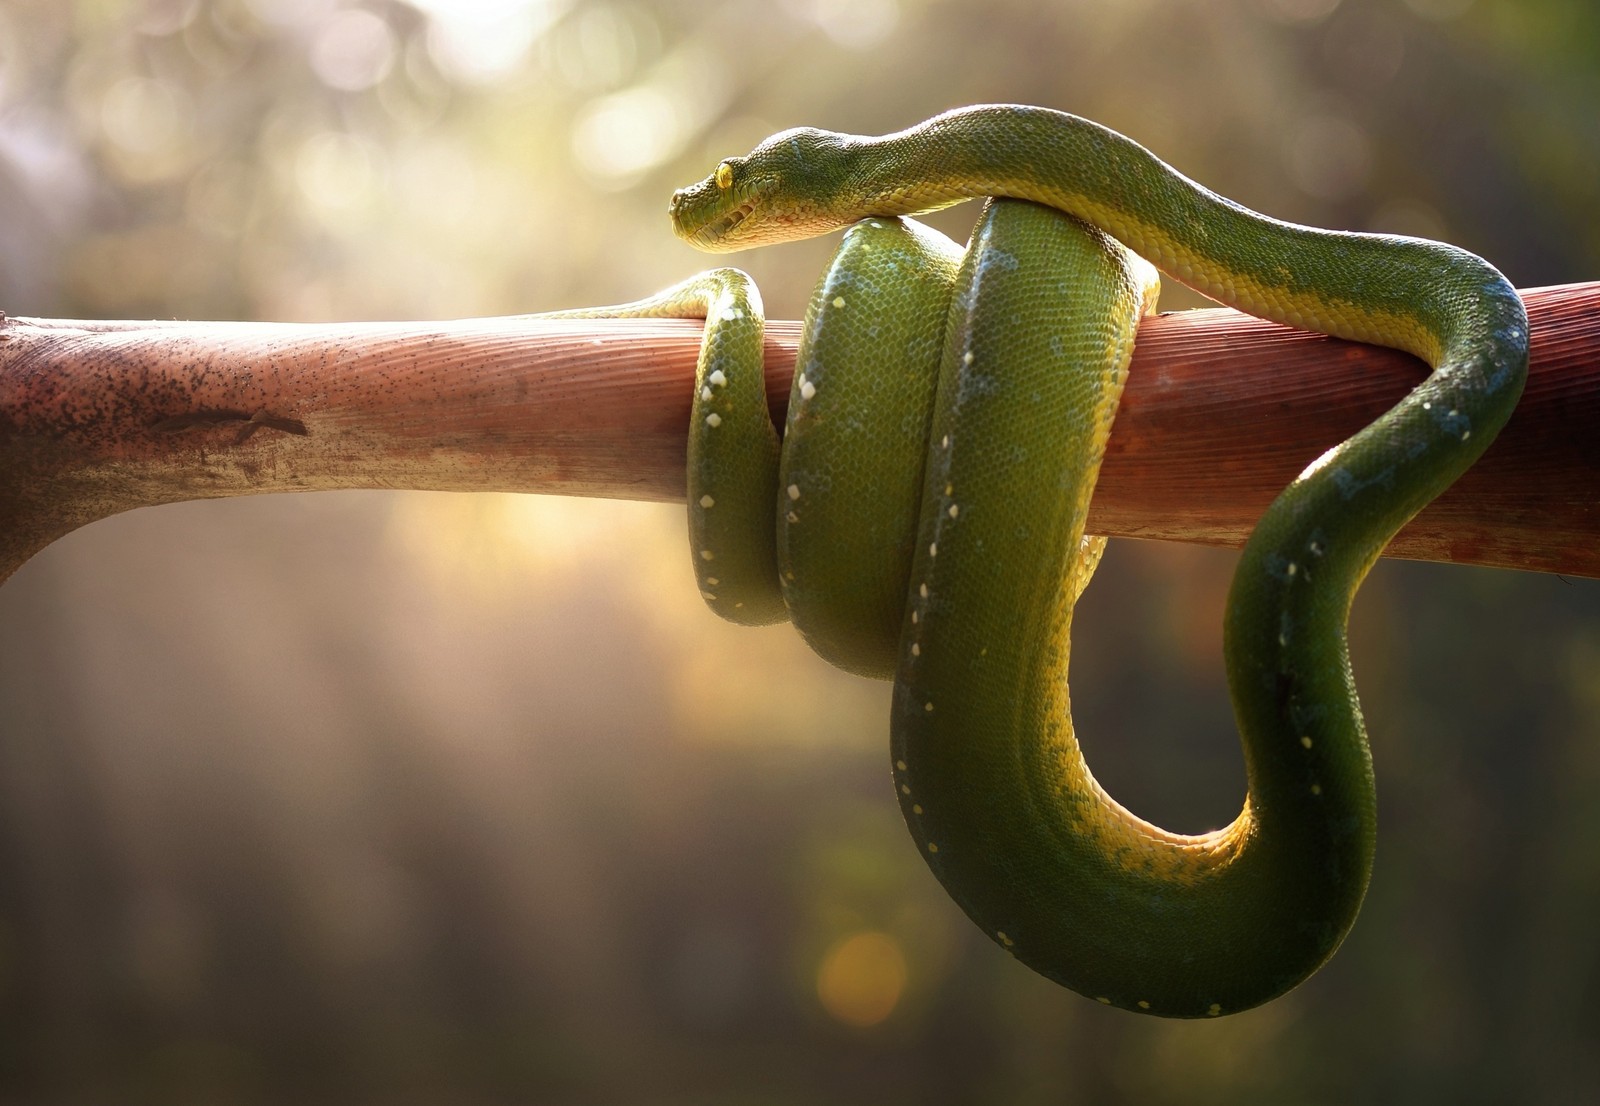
{"x":401,"y":797}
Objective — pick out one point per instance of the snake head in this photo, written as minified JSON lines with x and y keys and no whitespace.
{"x":778,"y":192}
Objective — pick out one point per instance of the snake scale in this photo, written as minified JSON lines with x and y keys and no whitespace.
{"x":924,"y":517}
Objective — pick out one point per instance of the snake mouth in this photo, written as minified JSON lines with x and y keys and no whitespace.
{"x":719,"y":232}
{"x":732,"y":219}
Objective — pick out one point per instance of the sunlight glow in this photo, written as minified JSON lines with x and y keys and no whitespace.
{"x":862,"y":978}
{"x":353,"y":50}
{"x":493,"y":551}
{"x":620,"y":137}
{"x":338,"y":174}
{"x":150,"y":123}
{"x":853,"y":23}
{"x":480,"y":41}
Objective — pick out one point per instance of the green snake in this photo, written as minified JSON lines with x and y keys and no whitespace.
{"x":948,"y":417}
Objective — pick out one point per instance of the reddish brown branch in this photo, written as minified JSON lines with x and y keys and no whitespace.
{"x":1221,"y":411}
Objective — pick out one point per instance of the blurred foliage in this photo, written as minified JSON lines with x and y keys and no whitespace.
{"x":387,"y":798}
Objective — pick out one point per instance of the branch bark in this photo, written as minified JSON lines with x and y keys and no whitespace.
{"x":1220,"y":413}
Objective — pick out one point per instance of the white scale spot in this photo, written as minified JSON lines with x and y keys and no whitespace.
{"x":1292,"y":569}
{"x":955,"y":510}
{"x":807,"y":390}
{"x":916,"y":808}
{"x":712,"y":581}
{"x":1316,"y":789}
{"x":916,"y":650}
{"x":717,"y":378}
{"x":932,"y":848}
{"x":791,"y":517}
{"x":1306,"y":741}
{"x":1465,"y":434}
{"x":733,"y":313}
{"x":707,"y":555}
{"x":944,"y":442}
{"x":900,"y":765}
{"x":1000,"y":935}
{"x":922,"y":590}
{"x":905,"y":789}
{"x":713,"y":420}
{"x":707,"y":502}
{"x":1426,"y":406}
{"x":966,"y":358}
{"x":914,"y":617}
{"x":1144,"y":1004}
{"x":794,"y":491}
{"x":876,"y":225}
{"x":1283,"y":639}
{"x":1103,"y":1000}
{"x":927,"y":708}
{"x":1214,"y":1009}
{"x":838,"y":301}
{"x":933,"y":549}
{"x":705,"y":393}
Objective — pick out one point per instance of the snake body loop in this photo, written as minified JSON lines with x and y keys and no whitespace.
{"x":989,"y":775}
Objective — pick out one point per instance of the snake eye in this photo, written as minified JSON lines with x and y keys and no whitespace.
{"x":724,"y":176}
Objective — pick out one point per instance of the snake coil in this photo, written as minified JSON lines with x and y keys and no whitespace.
{"x":924,"y":519}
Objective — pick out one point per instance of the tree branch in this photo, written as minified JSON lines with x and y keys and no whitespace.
{"x":1220,"y":413}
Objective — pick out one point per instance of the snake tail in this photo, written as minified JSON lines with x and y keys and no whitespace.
{"x":732,"y":465}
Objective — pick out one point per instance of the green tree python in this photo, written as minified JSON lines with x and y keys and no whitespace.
{"x":924,"y":518}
